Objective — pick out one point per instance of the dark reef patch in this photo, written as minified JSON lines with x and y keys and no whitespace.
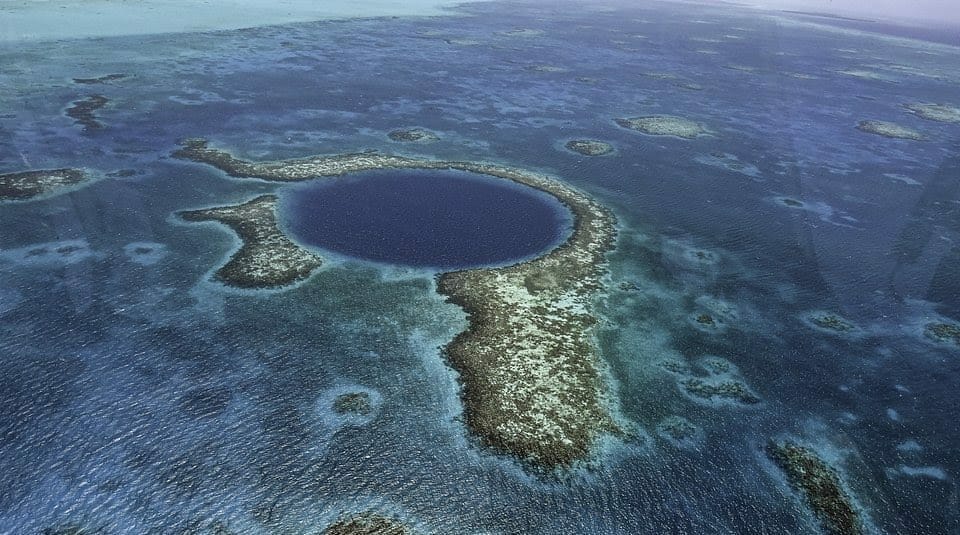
{"x":205,"y":402}
{"x":100,"y":79}
{"x":367,"y":524}
{"x":820,"y":485}
{"x":83,"y":112}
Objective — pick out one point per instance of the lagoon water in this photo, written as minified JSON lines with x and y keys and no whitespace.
{"x":138,"y":395}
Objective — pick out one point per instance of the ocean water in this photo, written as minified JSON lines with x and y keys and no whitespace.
{"x":137,"y":396}
{"x":445,"y":220}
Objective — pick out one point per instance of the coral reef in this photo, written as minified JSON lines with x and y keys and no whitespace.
{"x":531,"y":379}
{"x":664,"y":125}
{"x":367,"y":524}
{"x":353,"y":403}
{"x":935,"y":112}
{"x":891,"y":130}
{"x":943,"y":332}
{"x":589,"y":147}
{"x":724,"y":390}
{"x":83,"y":112}
{"x":413,"y":135}
{"x":267,"y":258}
{"x":820,"y":485}
{"x":830,"y":322}
{"x":25,"y":185}
{"x":679,"y":431}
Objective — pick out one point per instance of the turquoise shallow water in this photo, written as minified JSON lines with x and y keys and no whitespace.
{"x":138,"y":397}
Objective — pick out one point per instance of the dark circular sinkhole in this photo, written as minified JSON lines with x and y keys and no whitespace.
{"x":426,"y":218}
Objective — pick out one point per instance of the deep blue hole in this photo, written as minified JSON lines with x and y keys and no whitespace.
{"x":426,"y":218}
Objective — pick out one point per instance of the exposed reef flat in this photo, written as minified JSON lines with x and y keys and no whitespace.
{"x":83,"y":112}
{"x":664,"y":125}
{"x":413,"y":135}
{"x":367,"y":524}
{"x":26,"y":185}
{"x":935,"y":112}
{"x":531,"y":379}
{"x":820,"y":485}
{"x":589,"y":147}
{"x":267,"y":258}
{"x":892,"y":130}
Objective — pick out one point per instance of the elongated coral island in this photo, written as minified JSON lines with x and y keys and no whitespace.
{"x":83,"y":112}
{"x":267,"y":258}
{"x":664,"y":125}
{"x":820,"y":485}
{"x":530,"y":374}
{"x":26,"y":185}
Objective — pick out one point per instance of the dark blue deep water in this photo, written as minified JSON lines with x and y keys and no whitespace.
{"x":438,"y":219}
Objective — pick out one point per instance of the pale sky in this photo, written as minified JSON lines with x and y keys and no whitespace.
{"x":944,"y":12}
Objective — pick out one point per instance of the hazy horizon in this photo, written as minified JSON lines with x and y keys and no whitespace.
{"x":941,"y":12}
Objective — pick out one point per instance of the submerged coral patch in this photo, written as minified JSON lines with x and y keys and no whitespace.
{"x":829,"y":322}
{"x":679,"y":431}
{"x":50,"y":253}
{"x":722,"y":390}
{"x":729,"y":162}
{"x":348,"y":405}
{"x":368,"y":523}
{"x":145,"y":253}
